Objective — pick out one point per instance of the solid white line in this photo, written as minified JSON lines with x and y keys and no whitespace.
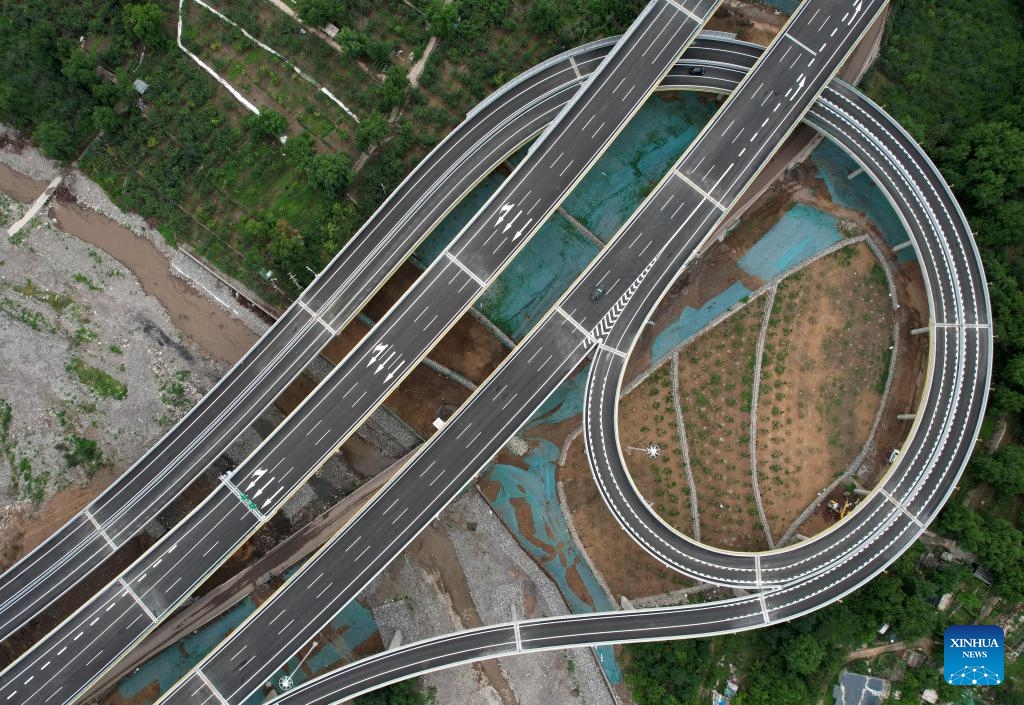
{"x":99,"y":529}
{"x":685,"y":179}
{"x":138,"y":600}
{"x":208,"y":684}
{"x":467,"y":270}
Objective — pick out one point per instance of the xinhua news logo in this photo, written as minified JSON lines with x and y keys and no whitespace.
{"x":973,"y":655}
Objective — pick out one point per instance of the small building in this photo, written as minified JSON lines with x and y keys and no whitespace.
{"x":140,"y":86}
{"x":930,"y":696}
{"x":331,"y":30}
{"x":856,"y":689}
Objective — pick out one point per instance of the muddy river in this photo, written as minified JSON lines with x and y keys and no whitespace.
{"x":212,"y":328}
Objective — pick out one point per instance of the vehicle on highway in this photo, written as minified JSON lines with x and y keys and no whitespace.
{"x":597,"y":293}
{"x":696,"y":70}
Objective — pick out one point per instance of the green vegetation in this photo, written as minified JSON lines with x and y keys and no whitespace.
{"x":408,"y":692}
{"x":172,"y":392}
{"x":24,"y":484}
{"x":81,"y":452}
{"x":97,"y":380}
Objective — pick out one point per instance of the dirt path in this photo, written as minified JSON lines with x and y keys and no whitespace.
{"x":923,"y":643}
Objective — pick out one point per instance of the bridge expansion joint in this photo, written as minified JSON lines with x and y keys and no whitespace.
{"x":902,"y":507}
{"x":686,"y":11}
{"x":246,"y":501}
{"x":704,"y":194}
{"x":316,"y":316}
{"x":211,"y":686}
{"x":138,"y":600}
{"x":577,"y":325}
{"x":760,"y":588}
{"x":801,"y":44}
{"x":468,"y":272}
{"x":99,"y":528}
{"x":519,"y":639}
{"x":576,"y":68}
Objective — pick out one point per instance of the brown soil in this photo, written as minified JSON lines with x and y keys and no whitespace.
{"x":627,"y":569}
{"x":715,"y":387}
{"x":422,"y":395}
{"x":750,"y":22}
{"x":825,"y":361}
{"x":18,"y":186}
{"x":194,"y":315}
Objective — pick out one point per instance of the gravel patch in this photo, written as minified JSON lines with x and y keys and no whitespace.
{"x":64,"y":303}
{"x":28,"y":160}
{"x":501,"y":575}
{"x":409,"y":598}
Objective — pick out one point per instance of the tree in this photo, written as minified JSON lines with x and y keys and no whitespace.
{"x":545,"y":16}
{"x":405,"y":692}
{"x":395,"y":84}
{"x":267,"y":123}
{"x":372,"y":130}
{"x":144,"y":21}
{"x":317,"y":12}
{"x":331,"y":173}
{"x":443,"y":18}
{"x":104,"y":118}
{"x":804,"y":654}
{"x":54,"y":141}
{"x":298,"y":150}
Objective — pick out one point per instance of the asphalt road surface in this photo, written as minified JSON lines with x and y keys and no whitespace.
{"x":655,"y":243}
{"x":917,"y":190}
{"x":126,"y":610}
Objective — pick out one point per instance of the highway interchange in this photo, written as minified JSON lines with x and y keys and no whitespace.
{"x":129,"y":607}
{"x":577,"y":328}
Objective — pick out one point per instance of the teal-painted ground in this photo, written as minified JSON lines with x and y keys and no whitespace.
{"x":431,"y":248}
{"x":536,"y":278}
{"x":787,"y":6}
{"x":693,"y":320}
{"x":564,"y":403}
{"x":549,"y":541}
{"x":801,"y":233}
{"x":640,"y":156}
{"x":860,"y":194}
{"x":352,"y":627}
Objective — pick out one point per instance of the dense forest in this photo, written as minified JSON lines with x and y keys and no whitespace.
{"x":208,"y":173}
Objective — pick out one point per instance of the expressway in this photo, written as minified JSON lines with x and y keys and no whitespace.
{"x":495,"y":130}
{"x":59,"y":667}
{"x":910,"y":182}
{"x":654,"y":245}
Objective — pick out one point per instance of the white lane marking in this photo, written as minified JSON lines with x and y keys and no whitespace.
{"x":316,"y":317}
{"x":480,"y":282}
{"x":208,"y":684}
{"x":404,"y":510}
{"x":576,"y":324}
{"x":707,"y":196}
{"x":138,"y":600}
{"x":902,"y":507}
{"x":244,"y":499}
{"x":801,"y":44}
{"x":100,"y":529}
{"x":685,"y":11}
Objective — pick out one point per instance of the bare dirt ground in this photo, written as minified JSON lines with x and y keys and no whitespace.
{"x":826,"y":358}
{"x":751,"y":22}
{"x":627,"y":569}
{"x":715,"y":388}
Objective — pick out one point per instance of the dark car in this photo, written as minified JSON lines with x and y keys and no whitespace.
{"x":696,"y":70}
{"x":597,"y":292}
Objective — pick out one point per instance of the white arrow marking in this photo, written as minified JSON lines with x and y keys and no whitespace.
{"x":504,"y":211}
{"x":519,"y":233}
{"x":511,"y":222}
